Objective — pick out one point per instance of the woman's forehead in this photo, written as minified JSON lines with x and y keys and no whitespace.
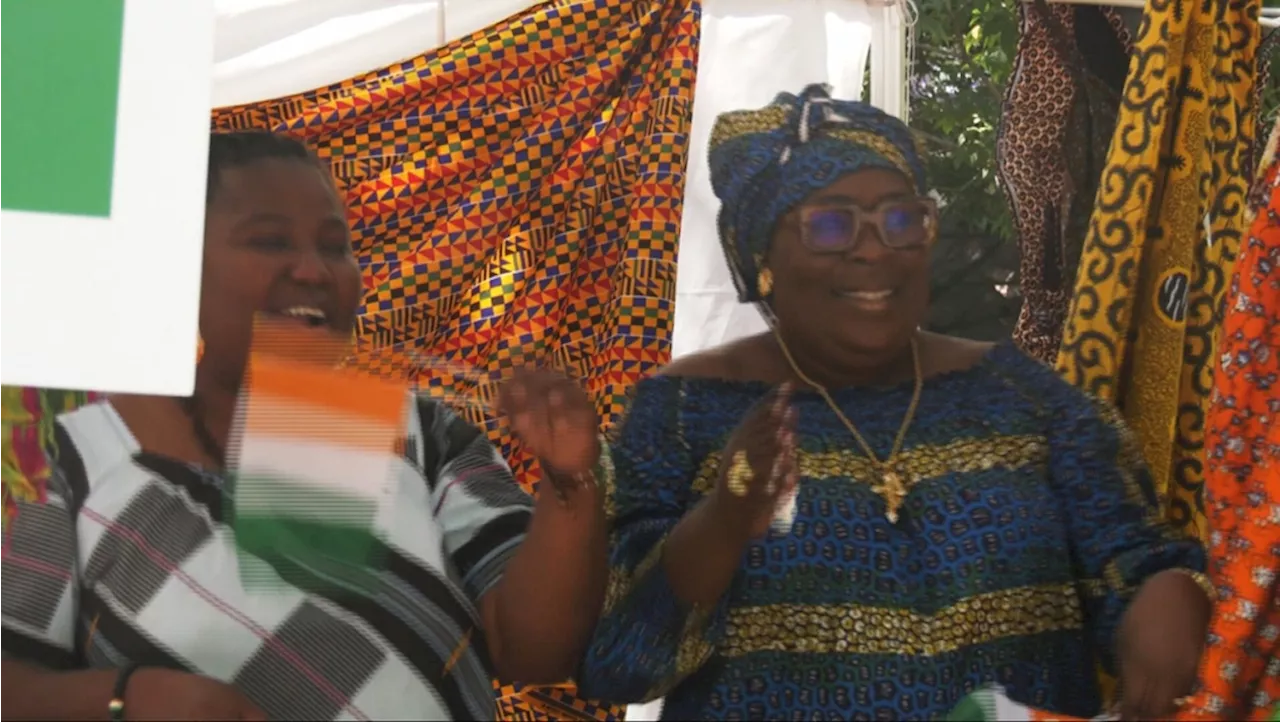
{"x":275,"y":186}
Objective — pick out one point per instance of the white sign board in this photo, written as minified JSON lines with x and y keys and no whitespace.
{"x":102,"y":186}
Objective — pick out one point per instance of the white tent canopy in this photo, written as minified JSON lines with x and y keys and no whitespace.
{"x":750,"y":50}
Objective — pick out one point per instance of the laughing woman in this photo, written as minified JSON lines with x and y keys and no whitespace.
{"x":123,"y":597}
{"x":962,"y":515}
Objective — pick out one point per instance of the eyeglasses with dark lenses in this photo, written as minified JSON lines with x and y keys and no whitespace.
{"x":903,"y":223}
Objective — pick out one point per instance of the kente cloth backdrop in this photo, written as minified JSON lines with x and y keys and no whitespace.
{"x":1165,"y":233}
{"x":515,"y":198}
{"x":1240,"y":669}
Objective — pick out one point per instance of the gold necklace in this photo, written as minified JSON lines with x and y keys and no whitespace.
{"x":891,"y":487}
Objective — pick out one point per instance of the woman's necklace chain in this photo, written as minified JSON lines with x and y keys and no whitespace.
{"x":891,"y":487}
{"x":210,"y":445}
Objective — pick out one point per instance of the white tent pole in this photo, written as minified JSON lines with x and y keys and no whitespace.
{"x":441,"y":36}
{"x":889,"y":71}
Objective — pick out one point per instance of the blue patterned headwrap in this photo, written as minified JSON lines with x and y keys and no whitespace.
{"x":764,"y":162}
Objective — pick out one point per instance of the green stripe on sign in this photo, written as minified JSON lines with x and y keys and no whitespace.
{"x":61,"y":76}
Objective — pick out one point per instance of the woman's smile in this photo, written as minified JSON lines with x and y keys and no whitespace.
{"x":866,"y":300}
{"x":311,"y":316}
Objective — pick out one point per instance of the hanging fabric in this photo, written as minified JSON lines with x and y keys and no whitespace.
{"x":1240,"y":670}
{"x":1056,"y":122}
{"x":515,"y":198}
{"x":1164,"y":235}
{"x":28,"y":417}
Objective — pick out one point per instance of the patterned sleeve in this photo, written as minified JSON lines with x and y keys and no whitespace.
{"x":647,"y":640}
{"x":41,"y":583}
{"x":480,"y":508}
{"x":1118,"y":534}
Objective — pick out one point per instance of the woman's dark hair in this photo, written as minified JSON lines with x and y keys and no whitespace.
{"x":237,"y":149}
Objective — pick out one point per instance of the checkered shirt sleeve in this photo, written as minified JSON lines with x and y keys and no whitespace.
{"x":41,"y":583}
{"x":482,"y":512}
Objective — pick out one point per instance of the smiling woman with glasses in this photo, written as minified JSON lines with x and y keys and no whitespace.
{"x":850,"y":518}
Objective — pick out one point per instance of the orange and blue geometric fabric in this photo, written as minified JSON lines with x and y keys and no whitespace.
{"x":515,"y":198}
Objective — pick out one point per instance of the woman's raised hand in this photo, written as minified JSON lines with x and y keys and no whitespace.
{"x":555,"y":419}
{"x":758,"y":465}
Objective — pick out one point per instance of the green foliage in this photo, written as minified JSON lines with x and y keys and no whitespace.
{"x":963,"y":59}
{"x":964,"y":56}
{"x":1270,"y":106}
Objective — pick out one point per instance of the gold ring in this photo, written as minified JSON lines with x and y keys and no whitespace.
{"x":739,"y":474}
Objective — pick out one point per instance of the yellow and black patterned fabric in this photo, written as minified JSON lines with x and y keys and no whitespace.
{"x":1164,"y":236}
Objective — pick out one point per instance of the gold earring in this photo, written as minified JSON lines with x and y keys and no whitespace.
{"x":764,"y":283}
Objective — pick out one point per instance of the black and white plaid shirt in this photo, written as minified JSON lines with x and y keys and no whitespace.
{"x":129,"y":560}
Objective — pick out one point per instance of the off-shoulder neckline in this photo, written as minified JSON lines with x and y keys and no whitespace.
{"x":993,"y":356}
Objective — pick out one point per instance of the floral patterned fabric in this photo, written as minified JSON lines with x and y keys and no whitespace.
{"x":1240,"y":672}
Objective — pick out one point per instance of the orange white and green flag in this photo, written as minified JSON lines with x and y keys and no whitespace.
{"x":314,"y":458}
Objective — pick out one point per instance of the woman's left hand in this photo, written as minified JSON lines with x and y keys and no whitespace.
{"x":1160,"y":641}
{"x":554,"y":418}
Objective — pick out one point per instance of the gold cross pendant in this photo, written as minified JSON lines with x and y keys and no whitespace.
{"x":893,"y":491}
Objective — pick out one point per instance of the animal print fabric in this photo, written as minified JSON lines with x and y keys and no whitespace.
{"x":1057,"y":120}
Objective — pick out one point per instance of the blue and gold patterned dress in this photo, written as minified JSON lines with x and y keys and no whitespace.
{"x":1029,"y":523}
